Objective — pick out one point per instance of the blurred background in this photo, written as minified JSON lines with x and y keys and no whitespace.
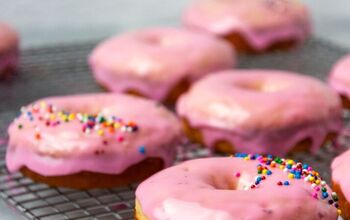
{"x":45,"y":22}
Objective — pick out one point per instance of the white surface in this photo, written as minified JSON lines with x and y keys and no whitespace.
{"x":43,"y":22}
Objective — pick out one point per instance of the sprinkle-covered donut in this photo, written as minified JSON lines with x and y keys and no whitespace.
{"x":341,"y":182}
{"x":254,"y":25}
{"x":242,"y":187}
{"x":260,"y":111}
{"x":159,"y":63}
{"x":92,"y":140}
{"x":340,"y":79}
{"x":9,"y":50}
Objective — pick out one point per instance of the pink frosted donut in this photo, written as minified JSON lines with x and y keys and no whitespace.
{"x":159,"y":61}
{"x":341,"y":181}
{"x":260,"y":111}
{"x":242,"y":187}
{"x":99,"y":135}
{"x":254,"y":25}
{"x":9,"y":50}
{"x":340,"y":79}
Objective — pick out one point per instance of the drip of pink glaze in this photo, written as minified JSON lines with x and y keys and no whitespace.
{"x":261,"y":111}
{"x":340,"y":173}
{"x":9,"y":60}
{"x":339,"y":78}
{"x":207,"y":189}
{"x":148,"y":60}
{"x":66,"y":149}
{"x":261,"y":22}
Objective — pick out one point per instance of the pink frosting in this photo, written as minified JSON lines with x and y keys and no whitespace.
{"x":202,"y":190}
{"x":261,"y":22}
{"x":340,"y":76}
{"x":154,"y":60}
{"x":66,"y":149}
{"x":261,"y":111}
{"x":8,"y":38}
{"x":340,"y":173}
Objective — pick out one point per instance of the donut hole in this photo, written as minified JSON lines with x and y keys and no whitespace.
{"x":260,"y":86}
{"x":230,"y":182}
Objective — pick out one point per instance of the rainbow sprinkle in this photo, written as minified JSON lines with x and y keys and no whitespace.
{"x":294,"y":170}
{"x":90,"y":123}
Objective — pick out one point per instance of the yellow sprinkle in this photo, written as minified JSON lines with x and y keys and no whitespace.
{"x":100,"y":132}
{"x":318,"y":182}
{"x":291,"y":176}
{"x":290,"y":162}
{"x":52,"y":116}
{"x":71,"y":116}
{"x":281,"y":167}
{"x":264,"y":171}
{"x":312,"y":179}
{"x":339,"y":212}
{"x":42,"y":104}
{"x":116,"y":125}
{"x":246,"y":158}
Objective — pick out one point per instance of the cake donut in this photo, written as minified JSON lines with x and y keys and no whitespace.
{"x":92,"y":140}
{"x":341,"y":181}
{"x":9,"y":50}
{"x":340,"y":80}
{"x":240,"y":187}
{"x":260,"y":111}
{"x":158,"y":63}
{"x":254,"y":25}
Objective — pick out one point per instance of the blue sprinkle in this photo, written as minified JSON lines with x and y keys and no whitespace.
{"x":142,"y":149}
{"x":324,"y":195}
{"x":269,"y":172}
{"x":286,"y":183}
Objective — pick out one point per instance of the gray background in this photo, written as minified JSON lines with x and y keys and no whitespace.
{"x":45,"y":22}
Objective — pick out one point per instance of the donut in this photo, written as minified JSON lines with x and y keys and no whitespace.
{"x":9,"y":50}
{"x":260,"y":111}
{"x":158,"y":63}
{"x":240,"y":187}
{"x":341,"y":181}
{"x":92,"y":140}
{"x":252,"y":26}
{"x":339,"y":80}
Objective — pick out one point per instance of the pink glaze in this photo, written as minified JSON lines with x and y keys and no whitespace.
{"x":261,"y":111}
{"x":154,"y":60}
{"x":9,"y":61}
{"x":340,"y":173}
{"x":210,"y":189}
{"x":8,"y":38}
{"x":261,"y":22}
{"x":66,"y":149}
{"x":340,"y":77}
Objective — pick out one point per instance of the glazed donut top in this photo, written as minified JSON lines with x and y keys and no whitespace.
{"x":241,"y":100}
{"x":87,"y":127}
{"x":162,"y":54}
{"x":340,"y":75}
{"x":8,"y":38}
{"x":241,"y":187}
{"x":340,"y":170}
{"x":259,"y":20}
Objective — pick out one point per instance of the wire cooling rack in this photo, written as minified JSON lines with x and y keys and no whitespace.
{"x":63,"y":70}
